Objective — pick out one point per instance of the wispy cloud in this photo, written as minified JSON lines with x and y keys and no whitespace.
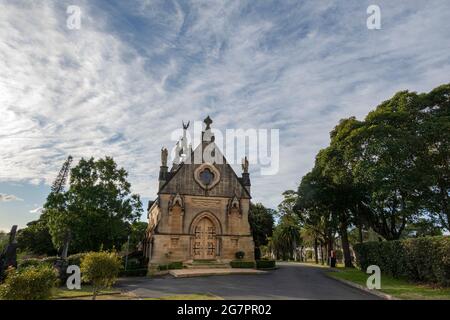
{"x":36,"y":210}
{"x":122,"y":83}
{"x":9,"y":197}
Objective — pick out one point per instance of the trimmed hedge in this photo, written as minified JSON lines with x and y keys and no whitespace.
{"x":425,"y":259}
{"x":171,"y":266}
{"x":175,"y":265}
{"x":242,"y":264}
{"x":265,"y":264}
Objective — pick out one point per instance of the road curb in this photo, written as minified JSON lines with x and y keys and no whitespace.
{"x":360,"y":287}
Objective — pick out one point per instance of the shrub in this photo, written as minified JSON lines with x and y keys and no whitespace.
{"x":163,"y":267}
{"x":339,"y":255}
{"x":175,"y":265}
{"x":265,"y":264}
{"x":135,"y":268}
{"x":31,"y":283}
{"x":239,"y":255}
{"x":101,"y":269}
{"x":425,"y":259}
{"x":75,"y":259}
{"x":242,"y":264}
{"x":29,"y":262}
{"x":50,"y":260}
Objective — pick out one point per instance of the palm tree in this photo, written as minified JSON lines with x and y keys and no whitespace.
{"x":286,"y":237}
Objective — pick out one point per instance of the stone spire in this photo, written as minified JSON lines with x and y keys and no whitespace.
{"x":163,"y":169}
{"x":245,"y":175}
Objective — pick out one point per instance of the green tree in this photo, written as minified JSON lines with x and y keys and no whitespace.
{"x":97,"y":209}
{"x":138,"y":229}
{"x":100,"y":269}
{"x":422,"y":227}
{"x":387,"y":157}
{"x":261,"y":221}
{"x":314,"y":210}
{"x":434,"y":120}
{"x":36,"y":238}
{"x":286,"y":237}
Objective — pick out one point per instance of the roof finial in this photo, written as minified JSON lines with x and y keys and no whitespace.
{"x":208,"y":122}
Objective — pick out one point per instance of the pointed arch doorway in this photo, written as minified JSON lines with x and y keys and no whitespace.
{"x":205,"y":240}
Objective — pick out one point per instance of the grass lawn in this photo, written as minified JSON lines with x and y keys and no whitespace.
{"x":397,"y":288}
{"x":85,"y":291}
{"x":313,"y":264}
{"x":194,"y":296}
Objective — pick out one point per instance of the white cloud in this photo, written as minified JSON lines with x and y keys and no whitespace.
{"x":9,"y":197}
{"x":114,"y":88}
{"x":36,"y":210}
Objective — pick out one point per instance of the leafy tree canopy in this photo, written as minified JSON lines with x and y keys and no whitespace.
{"x":97,"y":209}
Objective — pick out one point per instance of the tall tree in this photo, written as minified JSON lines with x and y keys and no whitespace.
{"x":434,"y":127}
{"x":97,"y":208}
{"x":387,"y":158}
{"x":137,"y":234}
{"x":261,"y":221}
{"x":36,"y":238}
{"x":286,"y":237}
{"x":313,"y":209}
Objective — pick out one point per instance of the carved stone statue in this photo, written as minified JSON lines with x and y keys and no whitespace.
{"x":245,"y":165}
{"x":164,"y":155}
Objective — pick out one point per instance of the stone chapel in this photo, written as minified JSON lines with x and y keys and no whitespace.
{"x":201,"y":211}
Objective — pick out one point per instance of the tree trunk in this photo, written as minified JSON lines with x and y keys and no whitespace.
{"x":316,"y":258}
{"x":329,"y":249}
{"x":345,"y":246}
{"x":360,"y":235}
{"x":94,"y":293}
{"x":322,"y":253}
{"x":360,"y":232}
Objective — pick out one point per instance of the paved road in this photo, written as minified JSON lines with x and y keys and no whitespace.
{"x":290,"y":281}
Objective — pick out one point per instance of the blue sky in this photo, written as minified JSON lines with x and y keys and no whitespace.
{"x":122,"y":83}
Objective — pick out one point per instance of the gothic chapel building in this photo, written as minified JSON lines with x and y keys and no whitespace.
{"x":201,"y":212}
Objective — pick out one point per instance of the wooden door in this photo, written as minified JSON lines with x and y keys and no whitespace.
{"x":205,"y":240}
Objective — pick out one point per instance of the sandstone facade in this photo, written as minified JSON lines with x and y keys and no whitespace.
{"x":201,"y":212}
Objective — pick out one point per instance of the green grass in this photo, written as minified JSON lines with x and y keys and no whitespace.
{"x":397,"y":288}
{"x":313,"y":264}
{"x":85,"y":291}
{"x":194,"y":296}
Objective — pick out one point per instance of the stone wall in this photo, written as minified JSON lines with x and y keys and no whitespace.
{"x":173,"y":238}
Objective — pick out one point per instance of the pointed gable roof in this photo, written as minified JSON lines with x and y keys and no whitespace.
{"x":182,"y":178}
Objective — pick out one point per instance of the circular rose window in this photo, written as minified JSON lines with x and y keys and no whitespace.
{"x":207,"y":176}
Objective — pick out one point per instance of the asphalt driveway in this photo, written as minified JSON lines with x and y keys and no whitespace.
{"x":290,"y":281}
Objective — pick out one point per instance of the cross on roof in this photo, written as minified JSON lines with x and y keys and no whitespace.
{"x":208,"y":122}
